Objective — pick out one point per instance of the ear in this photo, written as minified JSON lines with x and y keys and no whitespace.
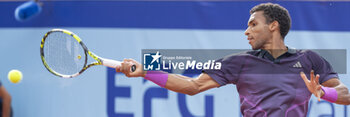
{"x":274,"y":26}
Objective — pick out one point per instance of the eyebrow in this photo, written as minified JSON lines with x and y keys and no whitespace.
{"x":251,"y":21}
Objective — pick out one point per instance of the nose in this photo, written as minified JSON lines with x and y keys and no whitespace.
{"x":247,"y":31}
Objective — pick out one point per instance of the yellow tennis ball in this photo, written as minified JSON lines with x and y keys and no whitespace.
{"x":79,"y":57}
{"x":15,"y":76}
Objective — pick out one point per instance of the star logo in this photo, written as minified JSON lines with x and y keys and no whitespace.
{"x":156,"y":57}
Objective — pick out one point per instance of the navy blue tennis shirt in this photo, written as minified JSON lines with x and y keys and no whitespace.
{"x":270,"y":87}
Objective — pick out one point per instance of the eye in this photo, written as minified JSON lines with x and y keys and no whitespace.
{"x":253,"y":24}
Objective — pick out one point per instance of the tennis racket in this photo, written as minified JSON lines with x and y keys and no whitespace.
{"x":65,"y":55}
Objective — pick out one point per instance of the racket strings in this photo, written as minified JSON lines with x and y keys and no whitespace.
{"x":63,"y":54}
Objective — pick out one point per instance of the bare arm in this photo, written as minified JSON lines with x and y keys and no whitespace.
{"x":315,"y":87}
{"x":6,"y":102}
{"x":175,"y":82}
{"x":190,"y":86}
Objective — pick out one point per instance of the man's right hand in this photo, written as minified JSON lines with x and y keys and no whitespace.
{"x":126,"y":68}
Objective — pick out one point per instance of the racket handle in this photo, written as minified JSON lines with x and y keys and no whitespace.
{"x":113,"y":64}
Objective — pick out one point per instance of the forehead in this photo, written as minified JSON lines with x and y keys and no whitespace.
{"x":257,"y":16}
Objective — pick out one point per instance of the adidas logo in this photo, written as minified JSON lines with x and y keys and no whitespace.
{"x":297,"y":65}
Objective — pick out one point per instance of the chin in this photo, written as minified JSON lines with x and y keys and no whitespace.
{"x":254,"y":48}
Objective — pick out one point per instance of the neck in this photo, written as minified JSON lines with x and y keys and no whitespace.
{"x":276,"y":47}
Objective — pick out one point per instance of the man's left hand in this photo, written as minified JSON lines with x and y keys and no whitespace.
{"x":313,"y":84}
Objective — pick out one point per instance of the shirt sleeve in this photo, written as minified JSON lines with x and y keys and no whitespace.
{"x":321,"y":67}
{"x":229,"y":71}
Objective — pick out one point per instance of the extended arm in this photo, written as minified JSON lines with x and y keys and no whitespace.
{"x":174,"y":82}
{"x":190,"y":86}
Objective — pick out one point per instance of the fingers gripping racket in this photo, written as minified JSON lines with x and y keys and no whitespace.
{"x":65,"y":55}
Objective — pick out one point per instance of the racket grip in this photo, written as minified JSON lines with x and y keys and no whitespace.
{"x":113,"y":64}
{"x":110,"y":63}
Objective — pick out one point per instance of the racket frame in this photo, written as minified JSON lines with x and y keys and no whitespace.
{"x":86,"y":52}
{"x":99,"y":60}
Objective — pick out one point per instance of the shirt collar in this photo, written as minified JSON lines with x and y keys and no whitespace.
{"x":290,"y":50}
{"x":264,"y":54}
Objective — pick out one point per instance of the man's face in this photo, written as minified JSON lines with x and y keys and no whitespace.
{"x":258,"y":31}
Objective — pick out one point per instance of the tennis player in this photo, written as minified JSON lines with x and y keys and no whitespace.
{"x":270,"y":79}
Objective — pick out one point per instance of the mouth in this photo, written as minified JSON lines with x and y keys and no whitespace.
{"x":250,"y":40}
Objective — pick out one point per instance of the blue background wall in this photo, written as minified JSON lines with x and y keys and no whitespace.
{"x":120,"y":29}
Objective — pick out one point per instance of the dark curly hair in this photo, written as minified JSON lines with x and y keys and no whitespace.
{"x":275,"y":12}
